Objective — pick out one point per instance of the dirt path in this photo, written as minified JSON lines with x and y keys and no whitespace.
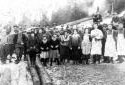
{"x":103,"y":74}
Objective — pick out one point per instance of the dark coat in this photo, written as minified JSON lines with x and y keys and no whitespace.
{"x":53,"y":44}
{"x":76,"y":42}
{"x":32,"y":43}
{"x":23,"y":38}
{"x":45,"y":46}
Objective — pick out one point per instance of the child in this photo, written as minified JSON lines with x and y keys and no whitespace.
{"x":86,"y":46}
{"x":54,"y":52}
{"x":44,"y":47}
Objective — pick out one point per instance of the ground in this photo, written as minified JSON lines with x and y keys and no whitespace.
{"x":102,"y":74}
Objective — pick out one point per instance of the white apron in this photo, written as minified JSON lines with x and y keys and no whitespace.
{"x":121,"y":44}
{"x":110,"y":47}
{"x":96,"y":45}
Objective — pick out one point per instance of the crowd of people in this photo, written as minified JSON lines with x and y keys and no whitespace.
{"x":96,"y":44}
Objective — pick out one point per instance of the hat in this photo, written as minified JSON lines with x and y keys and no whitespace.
{"x":15,"y":26}
{"x":62,"y":25}
{"x":105,"y":25}
{"x":32,"y":32}
{"x":16,"y":31}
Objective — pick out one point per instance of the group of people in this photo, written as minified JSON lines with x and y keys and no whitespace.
{"x":60,"y":46}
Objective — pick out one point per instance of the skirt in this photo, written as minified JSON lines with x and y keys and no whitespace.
{"x":44,"y":55}
{"x":110,"y":47}
{"x":54,"y":54}
{"x":75,"y":53}
{"x":121,"y":44}
{"x":64,"y":52}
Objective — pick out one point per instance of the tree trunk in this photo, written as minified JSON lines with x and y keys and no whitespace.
{"x":45,"y":78}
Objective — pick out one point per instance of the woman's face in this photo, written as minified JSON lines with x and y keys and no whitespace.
{"x":110,"y":27}
{"x":86,"y":31}
{"x":75,"y":32}
{"x":40,"y":31}
{"x":14,"y":58}
{"x":44,"y":39}
{"x":54,"y":37}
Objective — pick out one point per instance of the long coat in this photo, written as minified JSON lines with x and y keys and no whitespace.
{"x":32,"y":45}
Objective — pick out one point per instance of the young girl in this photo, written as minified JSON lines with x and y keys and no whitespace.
{"x":54,"y":52}
{"x":86,"y":46}
{"x":110,"y":46}
{"x":44,"y":47}
{"x":120,"y":43}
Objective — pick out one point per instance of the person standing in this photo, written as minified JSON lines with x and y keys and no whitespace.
{"x":110,"y":45}
{"x":103,"y":42}
{"x":86,"y":47}
{"x":120,"y":43}
{"x":54,"y":50}
{"x":4,"y":51}
{"x":64,"y":47}
{"x":44,"y":49}
{"x":96,"y":50}
{"x":32,"y":48}
{"x":75,"y":46}
{"x":19,"y":41}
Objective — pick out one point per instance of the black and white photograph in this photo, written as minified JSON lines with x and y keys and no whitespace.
{"x":62,"y":42}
